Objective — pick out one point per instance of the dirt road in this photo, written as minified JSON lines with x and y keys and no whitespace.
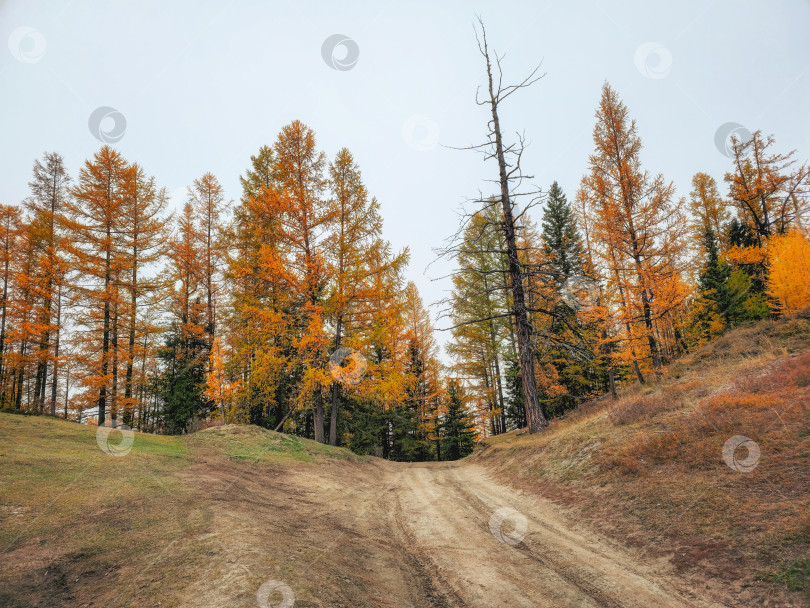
{"x":483,"y":545}
{"x":424,"y":535}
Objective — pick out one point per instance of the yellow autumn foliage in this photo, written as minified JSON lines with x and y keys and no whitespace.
{"x":788,"y":277}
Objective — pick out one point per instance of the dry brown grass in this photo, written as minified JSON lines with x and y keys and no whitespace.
{"x":649,"y":467}
{"x":79,"y":527}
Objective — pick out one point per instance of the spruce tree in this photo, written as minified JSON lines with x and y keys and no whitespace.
{"x":562,"y":244}
{"x":711,"y":307}
{"x":457,"y":429}
{"x":726,"y":296}
{"x":715,"y":273}
{"x":564,"y":252}
{"x":181,"y":386}
{"x":515,"y":414}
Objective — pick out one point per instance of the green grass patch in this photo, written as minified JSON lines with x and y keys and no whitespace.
{"x":54,"y":473}
{"x":795,"y":575}
{"x":255,"y":444}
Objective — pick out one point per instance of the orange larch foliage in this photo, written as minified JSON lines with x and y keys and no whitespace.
{"x":788,"y":258}
{"x":92,"y":218}
{"x":636,"y":232}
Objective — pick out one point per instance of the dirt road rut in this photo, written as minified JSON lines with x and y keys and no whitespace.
{"x":475,"y":543}
{"x":388,"y":535}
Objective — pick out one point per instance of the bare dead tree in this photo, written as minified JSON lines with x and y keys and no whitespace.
{"x":506,"y":175}
{"x":510,"y":195}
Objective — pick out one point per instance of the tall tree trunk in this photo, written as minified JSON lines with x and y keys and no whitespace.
{"x":41,"y":375}
{"x":55,"y":373}
{"x":67,"y":392}
{"x":626,"y":308}
{"x":128,"y":406}
{"x":209,"y":278}
{"x":648,"y":325}
{"x":501,"y":421}
{"x":3,"y":333}
{"x":487,"y":386}
{"x":646,"y":294}
{"x":105,"y":347}
{"x":20,"y":374}
{"x":318,"y":416}
{"x":142,"y":398}
{"x":44,"y":347}
{"x":534,"y":414}
{"x":333,"y":418}
{"x":606,"y":350}
{"x":114,"y":388}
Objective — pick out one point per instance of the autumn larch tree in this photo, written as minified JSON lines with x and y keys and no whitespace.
{"x":216,"y":387}
{"x":144,"y":233}
{"x":10,"y":240}
{"x":709,"y":210}
{"x":768,"y":190}
{"x":353,"y":242}
{"x":185,"y":352}
{"x":481,"y":317}
{"x":380,"y":330}
{"x":788,"y":276}
{"x":25,"y":329}
{"x":92,"y":217}
{"x":49,"y":190}
{"x":304,"y":216}
{"x":262,"y":314}
{"x":414,"y":423}
{"x":208,"y":201}
{"x":637,"y":229}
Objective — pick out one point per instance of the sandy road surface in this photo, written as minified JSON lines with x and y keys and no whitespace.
{"x":442,"y":517}
{"x":419,"y":535}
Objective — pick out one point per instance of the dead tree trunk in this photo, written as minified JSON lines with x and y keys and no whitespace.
{"x":534,"y":414}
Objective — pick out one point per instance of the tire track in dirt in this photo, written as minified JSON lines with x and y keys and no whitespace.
{"x":441,"y":513}
{"x":398,"y":535}
{"x":421,"y":570}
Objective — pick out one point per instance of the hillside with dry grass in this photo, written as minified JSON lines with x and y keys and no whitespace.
{"x":651,"y":468}
{"x":634,"y":502}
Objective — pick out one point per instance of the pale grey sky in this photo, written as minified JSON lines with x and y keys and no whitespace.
{"x":202,"y":85}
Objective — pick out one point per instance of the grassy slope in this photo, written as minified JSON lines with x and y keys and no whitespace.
{"x":81,"y":527}
{"x":71,"y":515}
{"x":649,"y":468}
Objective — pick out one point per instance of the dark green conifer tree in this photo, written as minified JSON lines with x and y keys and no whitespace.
{"x":182,"y":383}
{"x":515,"y":414}
{"x":562,"y":244}
{"x":457,"y":430}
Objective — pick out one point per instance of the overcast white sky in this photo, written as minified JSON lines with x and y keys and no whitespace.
{"x":202,"y":85}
